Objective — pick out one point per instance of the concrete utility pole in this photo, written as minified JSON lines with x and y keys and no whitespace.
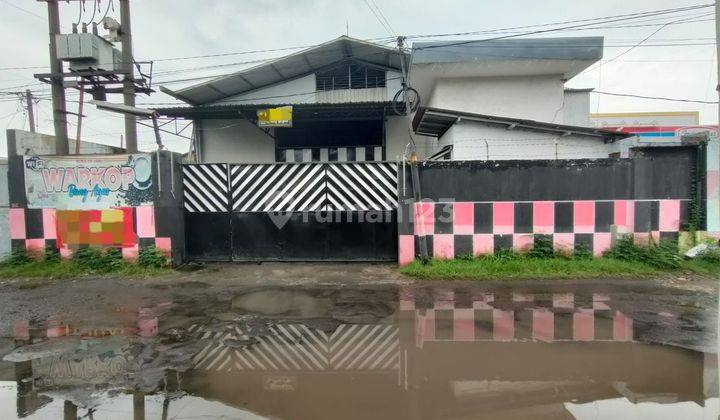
{"x":414,"y":170}
{"x":58,"y":90}
{"x":717,"y":56}
{"x":30,"y":109}
{"x":128,"y":82}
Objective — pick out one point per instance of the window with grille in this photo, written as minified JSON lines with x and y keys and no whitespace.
{"x":350,"y":76}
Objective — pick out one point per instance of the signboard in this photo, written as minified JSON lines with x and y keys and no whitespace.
{"x":88,"y":182}
{"x":275,"y":117}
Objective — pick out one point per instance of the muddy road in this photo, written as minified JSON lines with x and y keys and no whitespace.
{"x":330,"y":341}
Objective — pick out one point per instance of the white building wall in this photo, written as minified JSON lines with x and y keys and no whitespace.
{"x":304,"y":91}
{"x":393,"y":83}
{"x":235,"y":141}
{"x":537,"y":98}
{"x":475,"y":141}
{"x":576,"y":108}
{"x":295,"y":91}
{"x":396,"y":139}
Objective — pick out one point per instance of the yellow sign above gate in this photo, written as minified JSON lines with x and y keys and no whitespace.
{"x":275,"y":117}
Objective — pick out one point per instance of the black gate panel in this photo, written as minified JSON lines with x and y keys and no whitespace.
{"x":208,"y":236}
{"x":291,"y":212}
{"x":316,"y":236}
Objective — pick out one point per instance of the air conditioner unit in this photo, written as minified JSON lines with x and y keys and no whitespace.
{"x":87,"y":51}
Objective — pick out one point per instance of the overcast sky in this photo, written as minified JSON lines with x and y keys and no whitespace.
{"x":182,"y":28}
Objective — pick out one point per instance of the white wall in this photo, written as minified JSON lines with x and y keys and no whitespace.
{"x":576,"y":109}
{"x":393,"y":83}
{"x":537,"y":98}
{"x":236,"y":141}
{"x":303,"y":91}
{"x":396,"y":138}
{"x":476,"y":141}
{"x":27,"y":143}
{"x":295,"y":91}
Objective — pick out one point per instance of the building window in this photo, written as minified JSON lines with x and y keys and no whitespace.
{"x":350,"y":76}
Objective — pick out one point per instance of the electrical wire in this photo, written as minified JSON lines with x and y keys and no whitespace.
{"x":542,"y":31}
{"x":660,"y":98}
{"x":23,"y":10}
{"x":81,"y":8}
{"x":634,"y":16}
{"x":629,"y":49}
{"x":637,"y":14}
{"x":95,"y":5}
{"x":377,"y":17}
{"x":107,"y":9}
{"x":384,"y":18}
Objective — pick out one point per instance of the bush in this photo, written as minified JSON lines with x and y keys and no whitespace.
{"x":90,"y":258}
{"x":582,"y":253}
{"x":543,"y":248}
{"x":151,"y":257}
{"x":18,"y":256}
{"x":506,"y":255}
{"x":710,"y":255}
{"x":52,"y":255}
{"x":664,"y":255}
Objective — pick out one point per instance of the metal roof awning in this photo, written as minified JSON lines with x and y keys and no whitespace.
{"x":289,"y":67}
{"x":358,"y":111}
{"x":434,"y":122}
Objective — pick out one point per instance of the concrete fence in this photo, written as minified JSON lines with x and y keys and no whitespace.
{"x":480,"y":207}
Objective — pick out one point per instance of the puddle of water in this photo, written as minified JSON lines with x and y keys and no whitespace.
{"x":386,"y":354}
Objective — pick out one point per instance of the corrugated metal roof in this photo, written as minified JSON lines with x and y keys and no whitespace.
{"x":565,"y":48}
{"x":347,"y":111}
{"x":290,"y":67}
{"x":435,"y":122}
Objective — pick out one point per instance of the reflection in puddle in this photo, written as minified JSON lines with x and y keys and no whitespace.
{"x":412,"y":353}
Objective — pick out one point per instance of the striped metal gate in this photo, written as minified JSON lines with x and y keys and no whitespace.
{"x":299,"y":211}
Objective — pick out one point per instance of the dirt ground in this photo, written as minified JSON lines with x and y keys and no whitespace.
{"x":39,"y":300}
{"x":274,"y":340}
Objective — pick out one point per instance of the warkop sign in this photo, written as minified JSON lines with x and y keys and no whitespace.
{"x":84,"y":183}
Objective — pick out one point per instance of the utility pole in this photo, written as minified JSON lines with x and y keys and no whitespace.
{"x":58,"y":90}
{"x":30,"y":110}
{"x":414,"y":170}
{"x":717,"y":56}
{"x":129,"y":81}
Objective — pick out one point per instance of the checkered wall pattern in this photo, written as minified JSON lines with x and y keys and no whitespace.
{"x":128,"y":228}
{"x":515,"y":317}
{"x":462,"y":228}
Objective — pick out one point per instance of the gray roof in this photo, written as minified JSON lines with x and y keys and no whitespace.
{"x":434,"y":122}
{"x":289,"y":67}
{"x":566,"y":48}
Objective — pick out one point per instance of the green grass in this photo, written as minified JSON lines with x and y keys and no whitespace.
{"x":703,"y":267}
{"x":69,"y":269}
{"x":522,"y":267}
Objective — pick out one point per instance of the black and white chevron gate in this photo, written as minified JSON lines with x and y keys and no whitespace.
{"x":296,"y":211}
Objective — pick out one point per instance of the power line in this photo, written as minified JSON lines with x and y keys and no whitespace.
{"x":382,"y":15}
{"x":380,"y":19}
{"x":606,"y":20}
{"x":631,"y":48}
{"x":660,"y":98}
{"x":21,"y":9}
{"x":638,"y":15}
{"x":634,"y":16}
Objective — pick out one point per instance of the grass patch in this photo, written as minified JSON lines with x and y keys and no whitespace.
{"x":625,"y":259}
{"x":525,"y":267}
{"x":86,"y":262}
